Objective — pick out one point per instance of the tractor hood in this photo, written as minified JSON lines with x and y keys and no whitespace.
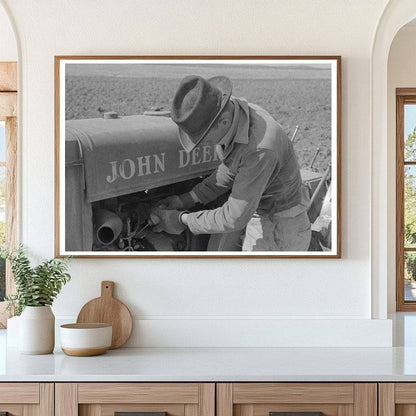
{"x":131,"y":154}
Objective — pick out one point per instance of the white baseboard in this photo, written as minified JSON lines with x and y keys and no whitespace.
{"x":253,"y":332}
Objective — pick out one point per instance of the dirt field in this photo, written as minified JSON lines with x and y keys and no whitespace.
{"x":297,"y":101}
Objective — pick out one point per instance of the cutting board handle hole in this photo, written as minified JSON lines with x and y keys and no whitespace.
{"x":107,"y":288}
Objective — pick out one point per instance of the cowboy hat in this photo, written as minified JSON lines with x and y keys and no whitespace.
{"x":197,"y":105}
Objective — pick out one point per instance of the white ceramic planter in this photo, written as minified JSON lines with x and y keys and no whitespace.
{"x":13,"y":331}
{"x":37,"y":330}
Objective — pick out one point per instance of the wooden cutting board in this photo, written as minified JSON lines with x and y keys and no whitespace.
{"x":107,"y":309}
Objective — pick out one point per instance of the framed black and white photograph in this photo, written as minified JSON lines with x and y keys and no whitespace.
{"x":198,"y":156}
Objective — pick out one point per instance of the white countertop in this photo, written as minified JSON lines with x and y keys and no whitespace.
{"x":213,"y":364}
{"x":222,"y":364}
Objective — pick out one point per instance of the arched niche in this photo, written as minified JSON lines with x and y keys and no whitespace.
{"x":396,"y":14}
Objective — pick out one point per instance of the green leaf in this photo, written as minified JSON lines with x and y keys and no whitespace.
{"x":35,"y":286}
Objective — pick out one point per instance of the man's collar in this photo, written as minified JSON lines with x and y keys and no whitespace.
{"x":226,"y":140}
{"x":238,"y":132}
{"x":241,"y":136}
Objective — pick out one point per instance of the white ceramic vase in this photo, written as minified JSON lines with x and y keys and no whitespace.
{"x":13,"y":331}
{"x":37,"y":330}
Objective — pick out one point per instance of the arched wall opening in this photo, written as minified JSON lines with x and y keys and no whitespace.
{"x":400,"y":74}
{"x":396,"y":15}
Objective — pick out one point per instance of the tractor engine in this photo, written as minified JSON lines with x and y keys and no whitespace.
{"x":116,"y":169}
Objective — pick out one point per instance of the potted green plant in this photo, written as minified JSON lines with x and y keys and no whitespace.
{"x":36,"y":289}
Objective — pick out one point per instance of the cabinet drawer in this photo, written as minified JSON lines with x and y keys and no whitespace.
{"x":143,"y":409}
{"x":397,"y":399}
{"x":19,"y":393}
{"x":297,"y":399}
{"x":21,"y":399}
{"x":138,"y":393}
{"x":148,"y":399}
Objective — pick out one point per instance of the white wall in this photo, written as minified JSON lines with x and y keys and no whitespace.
{"x":401,"y":74}
{"x":8,"y":47}
{"x":183,"y":300}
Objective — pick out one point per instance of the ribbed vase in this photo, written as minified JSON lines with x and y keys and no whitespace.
{"x":37,"y":330}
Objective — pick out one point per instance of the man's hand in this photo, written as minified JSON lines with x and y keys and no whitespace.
{"x":167,"y":220}
{"x":179,"y":202}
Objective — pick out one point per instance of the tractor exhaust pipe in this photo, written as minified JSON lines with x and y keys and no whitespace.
{"x":108,"y":225}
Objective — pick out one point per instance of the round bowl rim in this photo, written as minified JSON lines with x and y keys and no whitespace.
{"x":89,"y":325}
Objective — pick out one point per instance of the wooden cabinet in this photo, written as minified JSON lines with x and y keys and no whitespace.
{"x":106,"y":399}
{"x":297,"y":399}
{"x":27,"y":399}
{"x":397,"y":399}
{"x":208,"y":399}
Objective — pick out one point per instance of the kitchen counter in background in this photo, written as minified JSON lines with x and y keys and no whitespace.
{"x":213,"y":364}
{"x":223,"y":364}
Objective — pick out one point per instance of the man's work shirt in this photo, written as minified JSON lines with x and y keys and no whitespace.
{"x":260,"y":166}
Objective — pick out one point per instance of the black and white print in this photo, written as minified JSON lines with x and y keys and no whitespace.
{"x":120,"y":156}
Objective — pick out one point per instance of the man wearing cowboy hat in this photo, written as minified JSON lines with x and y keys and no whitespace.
{"x":259,"y":166}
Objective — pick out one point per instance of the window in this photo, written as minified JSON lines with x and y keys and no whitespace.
{"x":406,"y":199}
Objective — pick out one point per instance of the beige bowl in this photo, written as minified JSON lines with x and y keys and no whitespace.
{"x":83,"y":340}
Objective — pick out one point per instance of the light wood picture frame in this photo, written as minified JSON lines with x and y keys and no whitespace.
{"x":118,"y":155}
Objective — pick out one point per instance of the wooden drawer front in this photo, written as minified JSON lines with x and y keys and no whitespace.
{"x":265,"y":409}
{"x":331,"y":399}
{"x":405,"y":393}
{"x":27,"y":399}
{"x":397,"y":399}
{"x":110,"y":409}
{"x":104,"y":399}
{"x":293,"y":393}
{"x":138,"y":393}
{"x":19,"y":393}
{"x":12,"y":409}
